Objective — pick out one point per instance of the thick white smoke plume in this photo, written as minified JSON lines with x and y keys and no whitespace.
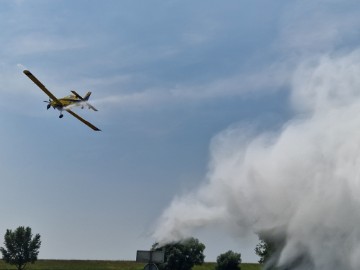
{"x":302,"y":182}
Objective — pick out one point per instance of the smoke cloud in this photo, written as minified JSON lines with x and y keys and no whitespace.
{"x":301,"y":182}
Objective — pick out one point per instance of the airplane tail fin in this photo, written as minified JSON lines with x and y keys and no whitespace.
{"x":85,"y":99}
{"x":87,"y":96}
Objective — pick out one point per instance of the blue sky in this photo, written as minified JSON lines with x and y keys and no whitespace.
{"x":166,"y":77}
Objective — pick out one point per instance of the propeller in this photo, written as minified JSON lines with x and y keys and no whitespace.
{"x":49,"y":104}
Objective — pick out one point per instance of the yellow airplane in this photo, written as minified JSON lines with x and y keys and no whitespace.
{"x":65,"y":103}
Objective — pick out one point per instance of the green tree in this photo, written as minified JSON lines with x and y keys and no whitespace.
{"x":20,"y":247}
{"x":264,"y":250}
{"x":228,"y":261}
{"x":269,"y":249}
{"x":182,"y":255}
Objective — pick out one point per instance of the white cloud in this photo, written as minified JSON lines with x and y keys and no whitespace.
{"x":318,"y":26}
{"x":304,"y":180}
{"x":36,"y":43}
{"x":336,"y":90}
{"x":269,"y":79}
{"x":237,"y":86}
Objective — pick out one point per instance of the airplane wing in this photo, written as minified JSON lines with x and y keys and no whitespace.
{"x":82,"y":120}
{"x":81,"y":98}
{"x":41,"y":86}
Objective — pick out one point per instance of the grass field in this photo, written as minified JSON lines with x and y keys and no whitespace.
{"x":244,"y":266}
{"x":105,"y":265}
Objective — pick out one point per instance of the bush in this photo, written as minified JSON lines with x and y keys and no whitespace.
{"x":228,"y":261}
{"x":182,"y":255}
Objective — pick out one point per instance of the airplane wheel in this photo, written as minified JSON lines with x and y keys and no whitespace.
{"x":61,"y":116}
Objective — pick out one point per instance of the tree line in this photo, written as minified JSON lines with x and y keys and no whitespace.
{"x":22,"y":248}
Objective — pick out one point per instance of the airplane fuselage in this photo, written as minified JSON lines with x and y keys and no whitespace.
{"x":66,"y":101}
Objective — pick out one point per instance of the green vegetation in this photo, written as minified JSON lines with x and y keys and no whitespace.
{"x":21,"y":247}
{"x":228,"y":261}
{"x":182,"y":255}
{"x":106,"y":265}
{"x":78,"y":265}
{"x":244,"y":266}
